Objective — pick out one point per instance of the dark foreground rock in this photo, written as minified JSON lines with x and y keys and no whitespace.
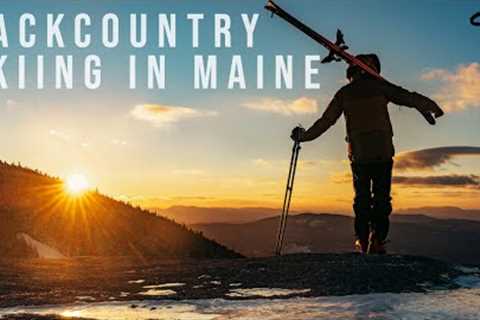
{"x":36,"y":282}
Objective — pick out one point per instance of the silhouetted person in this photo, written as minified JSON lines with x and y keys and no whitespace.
{"x":363,"y":102}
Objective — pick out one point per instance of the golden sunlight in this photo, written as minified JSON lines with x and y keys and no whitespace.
{"x":76,"y":184}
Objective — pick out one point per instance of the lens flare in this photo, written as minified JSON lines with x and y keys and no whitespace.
{"x":77,"y":184}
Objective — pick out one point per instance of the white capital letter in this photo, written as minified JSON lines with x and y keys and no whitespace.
{"x":143,"y":30}
{"x":260,"y":72}
{"x":21,"y":72}
{"x":310,"y":71}
{"x":168,"y":28}
{"x":222,"y":26}
{"x":53,"y":30}
{"x":208,"y":77}
{"x":26,"y":42}
{"x":93,"y":72}
{"x":110,"y":21}
{"x":250,"y":27}
{"x":283,"y":71}
{"x":40,"y":72}
{"x":195,"y":17}
{"x":3,"y":32}
{"x":63,"y":72}
{"x":236,"y":73}
{"x":132,"y":83}
{"x":156,"y":71}
{"x":80,"y":20}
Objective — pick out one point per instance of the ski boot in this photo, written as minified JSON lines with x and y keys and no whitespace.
{"x":376,"y":246}
{"x":361,"y":246}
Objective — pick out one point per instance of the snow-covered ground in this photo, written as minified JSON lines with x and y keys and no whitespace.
{"x":43,"y":251}
{"x":449,"y":305}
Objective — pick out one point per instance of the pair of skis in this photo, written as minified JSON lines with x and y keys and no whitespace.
{"x":337,"y":52}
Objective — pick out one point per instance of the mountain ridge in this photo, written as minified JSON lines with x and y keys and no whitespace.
{"x":35,"y":204}
{"x":197,"y":215}
{"x":446,"y":239}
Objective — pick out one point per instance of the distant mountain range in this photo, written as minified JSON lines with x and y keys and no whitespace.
{"x":453,"y":240}
{"x":37,"y":215}
{"x":200,"y":215}
{"x":445,"y":212}
{"x":196,"y":215}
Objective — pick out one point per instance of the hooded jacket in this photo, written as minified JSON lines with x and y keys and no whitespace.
{"x":364,"y":104}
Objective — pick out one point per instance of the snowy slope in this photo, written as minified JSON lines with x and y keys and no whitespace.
{"x":43,"y":251}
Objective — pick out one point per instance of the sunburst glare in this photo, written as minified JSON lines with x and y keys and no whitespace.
{"x":76,"y":184}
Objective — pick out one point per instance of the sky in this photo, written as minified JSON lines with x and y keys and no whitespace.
{"x":231,"y":148}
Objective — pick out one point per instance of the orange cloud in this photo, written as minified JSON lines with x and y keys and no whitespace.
{"x":460,"y":89}
{"x":453,"y":180}
{"x":302,"y":105}
{"x":161,"y":115}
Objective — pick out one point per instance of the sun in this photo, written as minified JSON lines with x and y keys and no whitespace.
{"x":77,"y":184}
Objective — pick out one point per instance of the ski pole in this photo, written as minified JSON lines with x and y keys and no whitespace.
{"x":287,"y":198}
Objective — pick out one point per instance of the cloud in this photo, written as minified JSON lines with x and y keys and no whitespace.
{"x":67,"y":139}
{"x":453,"y":180}
{"x":460,"y":89}
{"x":161,"y":115}
{"x":428,"y":159}
{"x":302,"y":105}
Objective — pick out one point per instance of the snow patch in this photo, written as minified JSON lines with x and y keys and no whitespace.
{"x":136,"y":281}
{"x":468,"y":269}
{"x":164,"y":285}
{"x":471,"y":282}
{"x":85,"y":298}
{"x":264,"y":292}
{"x":158,"y":292}
{"x":43,"y":251}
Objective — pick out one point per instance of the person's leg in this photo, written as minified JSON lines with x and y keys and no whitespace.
{"x":382,"y":206}
{"x":362,"y":203}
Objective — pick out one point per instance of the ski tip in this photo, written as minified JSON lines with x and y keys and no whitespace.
{"x":330,"y":58}
{"x":270,"y":6}
{"x":340,"y":38}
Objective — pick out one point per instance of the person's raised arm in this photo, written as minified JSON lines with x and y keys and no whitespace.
{"x":329,"y":117}
{"x":426,"y":106}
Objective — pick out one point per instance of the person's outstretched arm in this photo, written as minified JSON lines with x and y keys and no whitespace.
{"x":426,"y":106}
{"x":328,"y":119}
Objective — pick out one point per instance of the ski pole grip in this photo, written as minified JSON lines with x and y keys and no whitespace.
{"x":297,"y":131}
